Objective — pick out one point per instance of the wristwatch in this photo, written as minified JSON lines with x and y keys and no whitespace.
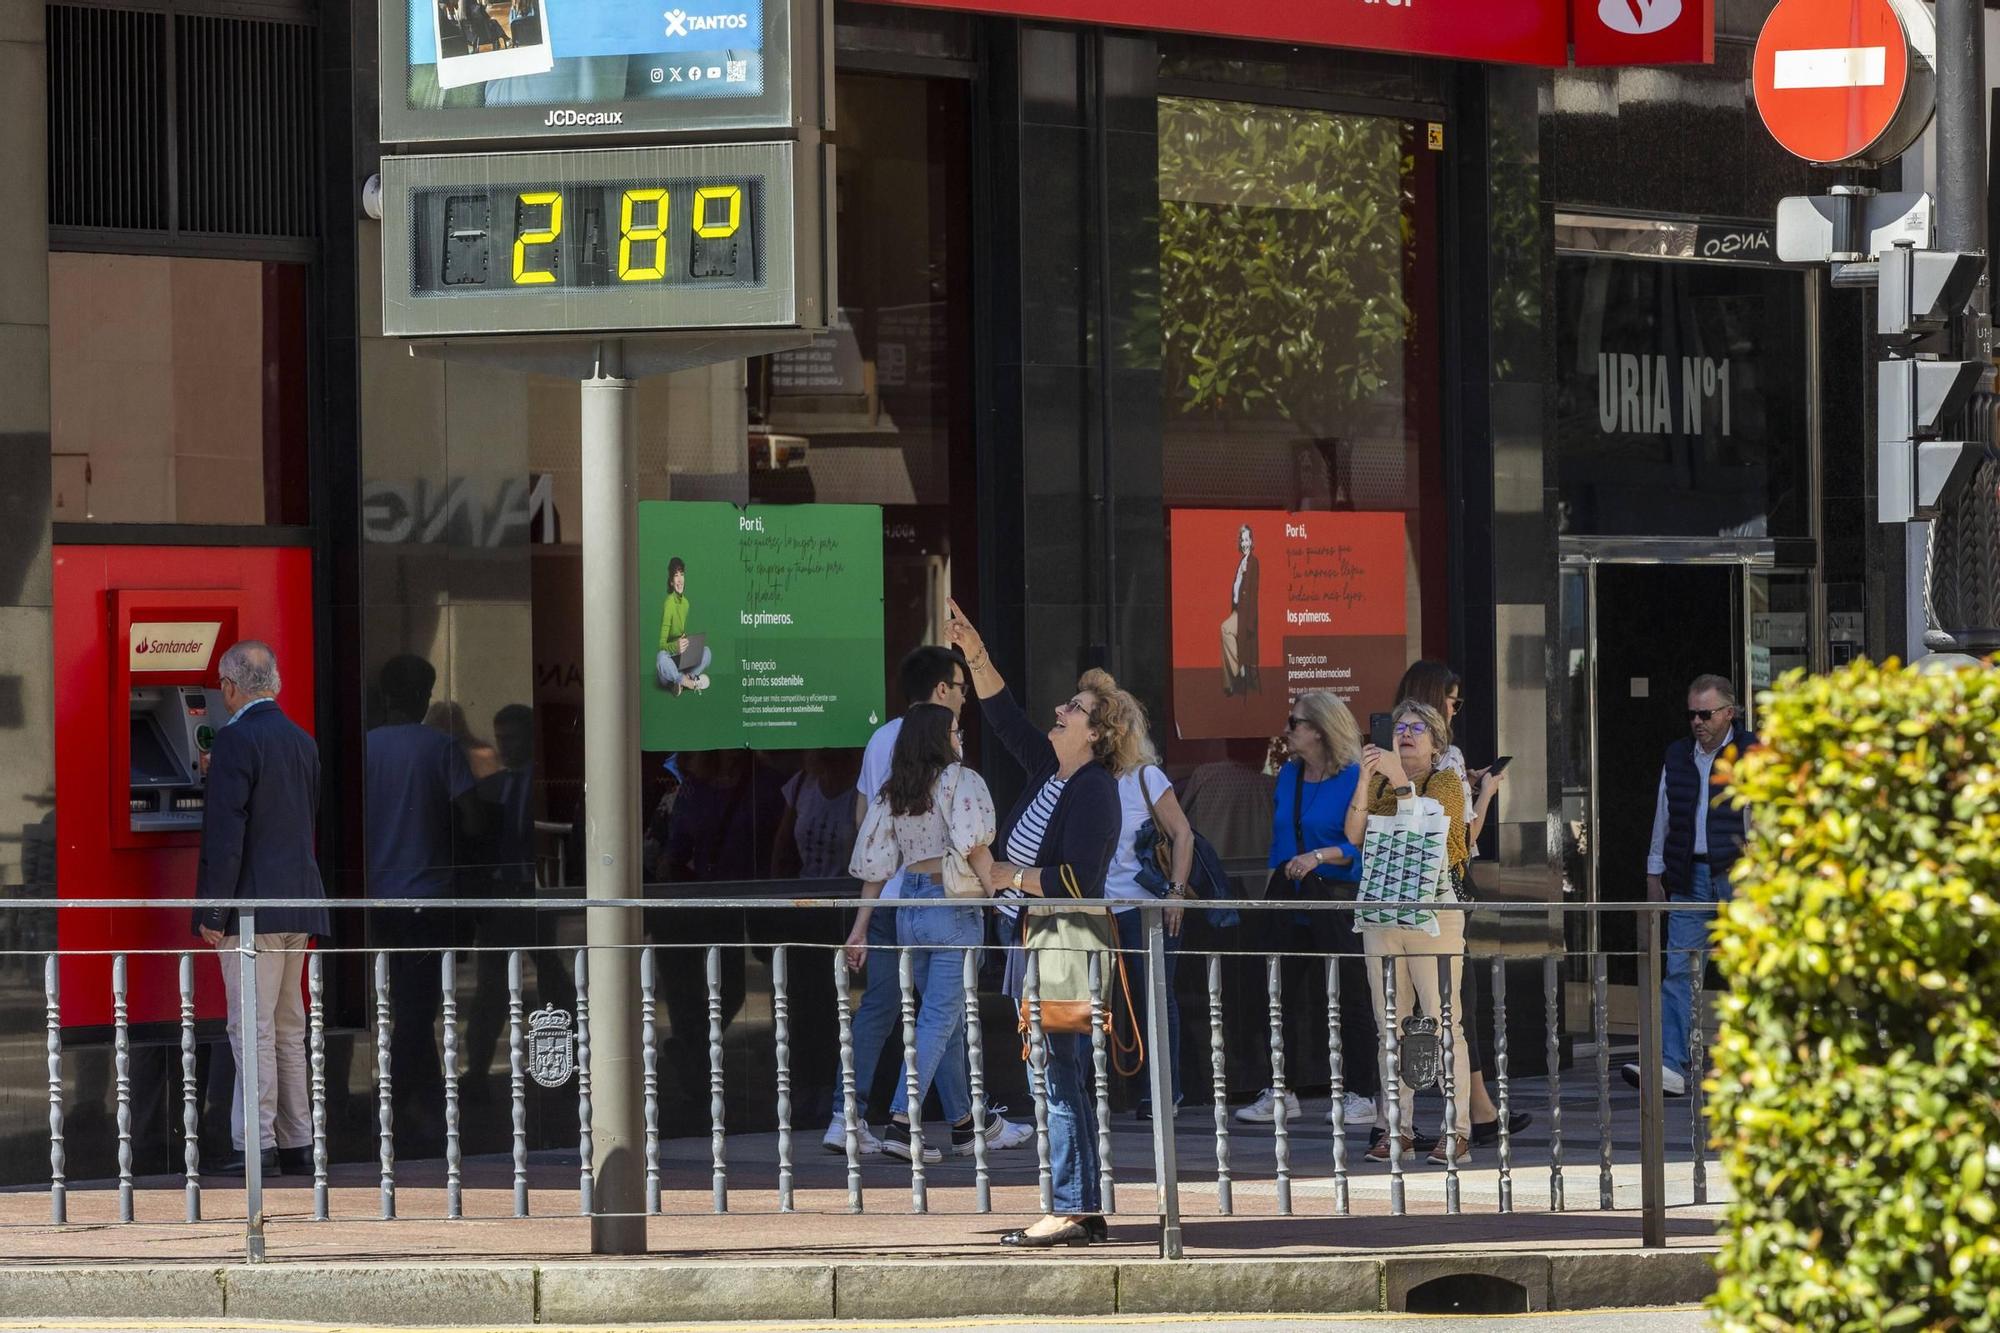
{"x":1017,"y":879}
{"x":1179,"y":891}
{"x":1318,"y":859}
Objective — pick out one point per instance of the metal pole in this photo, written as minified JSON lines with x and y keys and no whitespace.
{"x":1961,"y":225}
{"x":1652,"y":1106}
{"x":611,"y":805}
{"x":1159,"y":1072}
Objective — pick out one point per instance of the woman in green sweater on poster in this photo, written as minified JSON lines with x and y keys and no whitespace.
{"x":677,"y":667}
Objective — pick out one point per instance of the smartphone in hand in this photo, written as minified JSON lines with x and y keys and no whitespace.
{"x":1381,"y":731}
{"x":1499,"y":765}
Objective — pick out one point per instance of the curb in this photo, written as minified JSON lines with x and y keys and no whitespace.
{"x":638,"y":1292}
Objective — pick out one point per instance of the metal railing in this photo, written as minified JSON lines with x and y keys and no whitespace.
{"x":538,"y":1045}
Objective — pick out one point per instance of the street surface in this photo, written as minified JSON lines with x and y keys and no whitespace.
{"x":1679,"y":1320}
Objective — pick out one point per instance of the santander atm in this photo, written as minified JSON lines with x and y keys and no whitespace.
{"x":140,"y":632}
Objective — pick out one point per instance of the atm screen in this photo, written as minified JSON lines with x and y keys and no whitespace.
{"x":152,"y":764}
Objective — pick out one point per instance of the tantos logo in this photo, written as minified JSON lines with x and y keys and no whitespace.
{"x":1637,"y":18}
{"x":179,"y":645}
{"x":680,"y":23}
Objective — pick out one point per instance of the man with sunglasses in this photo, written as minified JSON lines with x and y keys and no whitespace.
{"x":1697,"y":836}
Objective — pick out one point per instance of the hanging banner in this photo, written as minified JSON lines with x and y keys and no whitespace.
{"x":760,"y":627}
{"x":1268,"y":605}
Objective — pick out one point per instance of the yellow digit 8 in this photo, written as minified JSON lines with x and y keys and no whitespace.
{"x":528,"y":236}
{"x":715,"y":231}
{"x":656,"y":233}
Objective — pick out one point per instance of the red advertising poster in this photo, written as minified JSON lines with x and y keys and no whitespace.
{"x":1267,"y":605}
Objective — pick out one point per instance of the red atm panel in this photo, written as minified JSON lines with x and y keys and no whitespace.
{"x":138,"y":633}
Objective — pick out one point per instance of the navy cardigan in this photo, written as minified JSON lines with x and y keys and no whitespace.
{"x":1083,"y":829}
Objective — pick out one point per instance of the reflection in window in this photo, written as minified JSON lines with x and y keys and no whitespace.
{"x":1298,"y":328}
{"x":177,"y":390}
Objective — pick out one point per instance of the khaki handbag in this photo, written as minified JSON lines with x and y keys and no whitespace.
{"x":1063,"y":939}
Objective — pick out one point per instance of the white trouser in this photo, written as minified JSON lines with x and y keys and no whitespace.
{"x":284,"y":1106}
{"x":1416,"y":956}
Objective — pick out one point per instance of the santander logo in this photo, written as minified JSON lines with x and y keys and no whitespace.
{"x":1638,"y":18}
{"x":143,"y":646}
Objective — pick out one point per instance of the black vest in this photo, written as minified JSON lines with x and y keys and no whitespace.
{"x":1684,"y":797}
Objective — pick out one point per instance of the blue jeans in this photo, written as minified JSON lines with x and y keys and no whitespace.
{"x":1072,"y":1126}
{"x":1132,"y":941}
{"x":937,"y":938}
{"x":1687,"y":935}
{"x":668,"y":668}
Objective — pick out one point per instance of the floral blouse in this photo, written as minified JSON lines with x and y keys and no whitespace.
{"x":960,"y":818}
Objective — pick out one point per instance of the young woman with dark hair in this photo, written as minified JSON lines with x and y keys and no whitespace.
{"x":930,"y":805}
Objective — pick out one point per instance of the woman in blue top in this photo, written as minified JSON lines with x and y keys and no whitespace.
{"x":1312,"y":860}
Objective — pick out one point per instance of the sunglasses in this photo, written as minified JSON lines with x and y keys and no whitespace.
{"x":1411,"y":728}
{"x":1704,"y":714}
{"x":1072,"y":707}
{"x":1291,"y":722}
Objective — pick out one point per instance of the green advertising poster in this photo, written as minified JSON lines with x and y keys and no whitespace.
{"x":759,"y":626}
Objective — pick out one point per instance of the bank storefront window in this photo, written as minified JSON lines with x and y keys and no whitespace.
{"x":1303,"y":476}
{"x":177,"y":390}
{"x":1681,"y":399}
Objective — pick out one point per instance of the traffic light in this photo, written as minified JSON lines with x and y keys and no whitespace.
{"x":1924,"y":382}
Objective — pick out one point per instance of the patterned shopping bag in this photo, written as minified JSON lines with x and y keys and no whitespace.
{"x":1404,"y":860}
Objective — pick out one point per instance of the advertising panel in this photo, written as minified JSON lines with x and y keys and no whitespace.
{"x":513,"y":69}
{"x":1267,"y":605}
{"x":760,"y":627}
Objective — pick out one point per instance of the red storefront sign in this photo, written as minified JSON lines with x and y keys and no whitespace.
{"x":1509,"y":32}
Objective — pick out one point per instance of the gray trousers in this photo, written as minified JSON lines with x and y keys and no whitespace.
{"x":284,"y":1112}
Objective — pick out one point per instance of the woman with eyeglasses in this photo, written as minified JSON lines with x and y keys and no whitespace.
{"x":1062,"y":831}
{"x":1438,"y":685}
{"x":1411,"y":772}
{"x":1313,"y":859}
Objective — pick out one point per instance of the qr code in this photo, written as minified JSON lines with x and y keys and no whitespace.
{"x":738,"y":71}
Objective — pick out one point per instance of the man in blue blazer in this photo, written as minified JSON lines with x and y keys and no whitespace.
{"x":257,"y":842}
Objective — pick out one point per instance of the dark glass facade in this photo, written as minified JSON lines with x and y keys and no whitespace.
{"x":1043,"y":231}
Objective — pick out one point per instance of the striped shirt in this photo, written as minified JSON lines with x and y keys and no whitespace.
{"x":1024,"y":844}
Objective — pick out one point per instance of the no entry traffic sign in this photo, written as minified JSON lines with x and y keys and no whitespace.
{"x":1846,"y":80}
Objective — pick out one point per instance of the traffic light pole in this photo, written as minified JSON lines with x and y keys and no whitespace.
{"x":1961,"y":225}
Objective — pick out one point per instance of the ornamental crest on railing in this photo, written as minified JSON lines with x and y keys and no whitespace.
{"x":551,"y":1047}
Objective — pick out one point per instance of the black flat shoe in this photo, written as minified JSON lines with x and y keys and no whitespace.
{"x":1073,"y":1234}
{"x":233,"y":1165}
{"x":1099,"y":1229}
{"x":1488,"y":1131}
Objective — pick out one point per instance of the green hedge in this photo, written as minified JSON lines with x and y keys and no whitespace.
{"x":1856,"y":1077}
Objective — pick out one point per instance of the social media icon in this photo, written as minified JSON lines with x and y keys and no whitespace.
{"x":659,"y":75}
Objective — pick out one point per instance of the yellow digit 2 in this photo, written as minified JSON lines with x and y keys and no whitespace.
{"x":715,"y":231}
{"x":527,"y":236}
{"x":654,"y":233}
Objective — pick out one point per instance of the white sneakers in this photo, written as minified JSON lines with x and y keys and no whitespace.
{"x":1264,"y":1110}
{"x":1672,"y":1083}
{"x":836,"y":1138}
{"x":1001,"y":1135}
{"x":1356,"y":1110}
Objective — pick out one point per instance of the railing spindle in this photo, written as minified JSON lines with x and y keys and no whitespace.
{"x":975,"y":1059}
{"x":121,"y":1043}
{"x":316,"y":1045}
{"x":1552,"y":1053}
{"x":385,"y":1109}
{"x":1337,"y":1086}
{"x":454,"y":1166}
{"x":718,"y":1142}
{"x":1038,"y":1066}
{"x":190,"y":1094}
{"x":1448,"y":1051}
{"x":1392,"y":1087}
{"x":1100,"y":1059}
{"x":649,"y":1055}
{"x":843,"y":994}
{"x":1601,"y":1016}
{"x":912,"y":1099}
{"x":1500,"y":1084}
{"x":781,"y":1024}
{"x":1218,"y":1067}
{"x":58,"y":1158}
{"x":586,"y":1142}
{"x":1697,"y":1066}
{"x":1281,"y":1125}
{"x":517,"y":1077}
